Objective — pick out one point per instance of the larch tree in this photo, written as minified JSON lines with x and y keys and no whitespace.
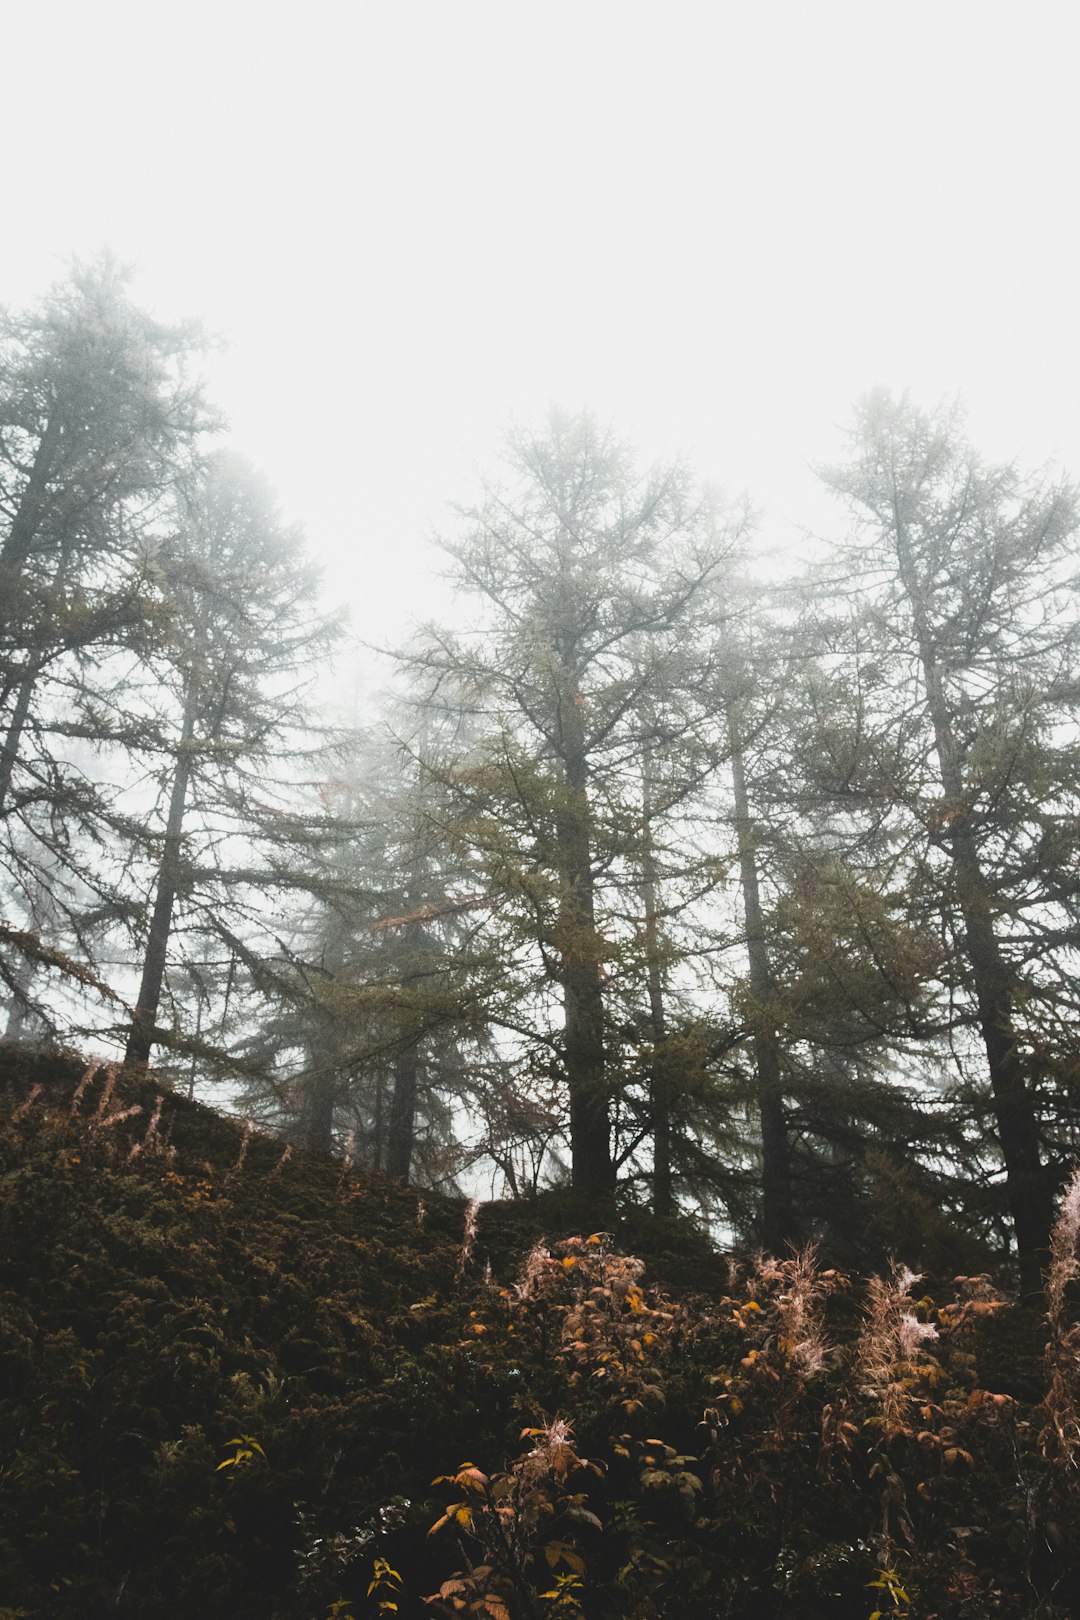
{"x":587,"y":578}
{"x":955,"y":596}
{"x":244,"y":636}
{"x":777,"y":1205}
{"x":822,"y":974}
{"x":98,"y":414}
{"x":371,"y":1024}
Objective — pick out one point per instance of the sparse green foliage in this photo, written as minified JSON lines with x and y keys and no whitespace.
{"x":384,"y":1588}
{"x":889,"y":1583}
{"x":247,"y":1453}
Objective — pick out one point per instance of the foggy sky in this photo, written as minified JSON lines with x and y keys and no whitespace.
{"x":716,"y":224}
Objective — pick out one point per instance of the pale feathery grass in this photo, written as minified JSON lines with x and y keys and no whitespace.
{"x":151,"y":1142}
{"x":797,"y":1292}
{"x":245,"y":1143}
{"x":1060,"y":1436}
{"x":888,"y":1347}
{"x":468,"y":1237}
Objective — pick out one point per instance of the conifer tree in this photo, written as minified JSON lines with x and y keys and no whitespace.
{"x":245,"y":635}
{"x":97,"y":417}
{"x":587,"y":579}
{"x":369,"y":1019}
{"x":825,"y":978}
{"x":952,"y":642}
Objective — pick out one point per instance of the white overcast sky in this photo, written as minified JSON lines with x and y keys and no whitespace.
{"x":411,"y":219}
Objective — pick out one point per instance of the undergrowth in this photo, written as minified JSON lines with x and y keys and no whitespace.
{"x":239,"y":1380}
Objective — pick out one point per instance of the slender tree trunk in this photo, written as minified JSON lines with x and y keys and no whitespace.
{"x":24,"y":689}
{"x":777,"y":1210}
{"x":592,"y":1168}
{"x":321,"y":1092}
{"x":43,"y":920}
{"x":24,"y":526}
{"x":9,"y":752}
{"x":20,"y":1010}
{"x":377,"y":1133}
{"x":1030,"y":1198}
{"x":660,"y":1085}
{"x":142,"y":1035}
{"x":318,"y":1114}
{"x":401,"y":1125}
{"x":402,"y":1129}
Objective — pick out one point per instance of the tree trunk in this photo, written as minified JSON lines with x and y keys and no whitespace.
{"x":9,"y":753}
{"x":592,"y":1168}
{"x":24,"y":525}
{"x":777,"y":1211}
{"x":20,"y":1011}
{"x":1030,"y":1198}
{"x":402,"y":1129}
{"x":142,"y":1035}
{"x":660,"y":1084}
{"x":401,"y":1125}
{"x":318,"y":1115}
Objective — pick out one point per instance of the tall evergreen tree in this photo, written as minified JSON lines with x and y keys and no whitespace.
{"x":823,"y":977}
{"x":954,"y":600}
{"x":380,"y":999}
{"x":245,"y":637}
{"x":587,"y":577}
{"x":97,"y":416}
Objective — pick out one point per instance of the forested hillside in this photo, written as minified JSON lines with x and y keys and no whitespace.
{"x":252,"y":1381}
{"x":679,"y":949}
{"x":697,"y":884}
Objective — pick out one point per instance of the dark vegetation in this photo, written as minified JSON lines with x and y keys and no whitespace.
{"x":232,"y":1372}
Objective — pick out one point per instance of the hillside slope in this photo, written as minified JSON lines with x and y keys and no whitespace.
{"x":230,"y":1374}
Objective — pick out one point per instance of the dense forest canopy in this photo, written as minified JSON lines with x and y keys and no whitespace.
{"x":654,"y":872}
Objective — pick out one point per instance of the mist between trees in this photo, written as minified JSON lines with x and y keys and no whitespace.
{"x":752,"y":899}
